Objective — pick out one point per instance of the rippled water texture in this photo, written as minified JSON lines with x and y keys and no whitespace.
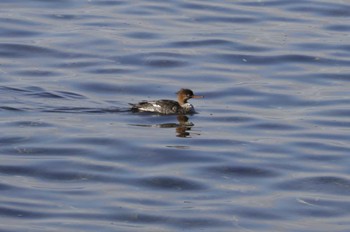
{"x":268,"y":149}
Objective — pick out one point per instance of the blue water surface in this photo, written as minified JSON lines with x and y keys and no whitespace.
{"x":268,"y":149}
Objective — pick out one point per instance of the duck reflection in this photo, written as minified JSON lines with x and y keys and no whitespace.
{"x":182,"y":128}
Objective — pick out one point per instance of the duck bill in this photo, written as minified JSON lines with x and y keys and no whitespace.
{"x":197,"y":96}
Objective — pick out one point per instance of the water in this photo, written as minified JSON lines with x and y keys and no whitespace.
{"x":268,"y":150}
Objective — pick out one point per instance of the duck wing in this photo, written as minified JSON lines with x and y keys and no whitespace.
{"x":159,"y":106}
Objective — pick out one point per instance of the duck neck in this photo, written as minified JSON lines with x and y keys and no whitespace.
{"x":181,"y":100}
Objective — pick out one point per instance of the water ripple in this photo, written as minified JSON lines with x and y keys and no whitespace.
{"x":161,"y":60}
{"x":171,"y":184}
{"x":272,"y":60}
{"x":321,"y":184}
{"x":240,"y":171}
{"x":30,"y":51}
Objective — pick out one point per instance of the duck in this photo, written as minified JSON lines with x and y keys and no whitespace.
{"x":179,"y":107}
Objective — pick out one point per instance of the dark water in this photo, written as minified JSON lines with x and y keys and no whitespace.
{"x":268,"y":150}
